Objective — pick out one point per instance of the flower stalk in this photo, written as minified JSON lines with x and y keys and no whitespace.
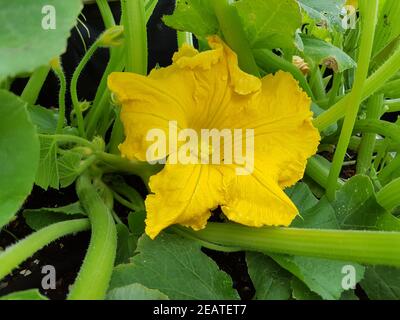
{"x":367,"y":41}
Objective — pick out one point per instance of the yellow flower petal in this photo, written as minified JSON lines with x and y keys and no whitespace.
{"x":284,"y":135}
{"x":183,"y":194}
{"x":257,"y":200}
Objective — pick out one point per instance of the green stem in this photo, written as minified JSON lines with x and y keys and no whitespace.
{"x":376,"y":81}
{"x":317,"y":84}
{"x":73,"y":88}
{"x":393,"y":105}
{"x":61,"y":99}
{"x":95,"y":273}
{"x":269,"y":61}
{"x":318,"y":170}
{"x":19,"y":252}
{"x":101,"y":101}
{"x":367,"y":41}
{"x":35,"y":84}
{"x":386,"y":173}
{"x":233,"y":34}
{"x":106,"y":13}
{"x":337,"y":82}
{"x":68,"y":138}
{"x":134,"y":21}
{"x":367,"y":146}
{"x":389,"y":196}
{"x":359,"y":246}
{"x":384,"y":128}
{"x":139,"y":168}
{"x":184,"y":38}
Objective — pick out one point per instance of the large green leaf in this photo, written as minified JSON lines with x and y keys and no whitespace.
{"x":322,"y":52}
{"x":323,"y":277}
{"x":176,"y":267}
{"x":269,"y":279}
{"x":320,"y":216}
{"x":270,"y":24}
{"x":19,"y":155}
{"x":382,"y":283}
{"x":196,"y":16}
{"x":325,"y":12}
{"x":356,"y":207}
{"x":25,"y":44}
{"x":135,"y":291}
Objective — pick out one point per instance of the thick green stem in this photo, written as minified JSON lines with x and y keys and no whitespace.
{"x":393,"y":105}
{"x":367,"y":146}
{"x":367,"y":40}
{"x":384,"y":128}
{"x":139,"y":168}
{"x":35,"y":84}
{"x":318,"y":170}
{"x":359,"y":246}
{"x":389,"y":196}
{"x":233,"y":34}
{"x":22,"y":250}
{"x":95,"y":274}
{"x":106,"y":13}
{"x":134,"y":21}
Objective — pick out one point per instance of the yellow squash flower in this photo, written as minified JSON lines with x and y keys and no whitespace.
{"x":207,"y":90}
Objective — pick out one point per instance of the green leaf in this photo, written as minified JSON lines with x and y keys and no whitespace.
{"x":19,"y":155}
{"x":40,"y":218}
{"x":321,"y":216}
{"x":301,"y":292}
{"x":25,"y":44}
{"x":44,"y":119}
{"x":31,"y":294}
{"x":356,"y":207}
{"x":324,"y":12}
{"x":388,"y":26}
{"x":270,"y":24}
{"x":135,"y":291}
{"x":177,"y":267}
{"x":382,"y":283}
{"x":136,"y":222}
{"x":69,"y":167}
{"x":321,"y":52}
{"x":321,"y":276}
{"x":47,"y":174}
{"x":269,"y":279}
{"x":349,"y":295}
{"x":196,"y":16}
{"x":301,"y":196}
{"x":126,"y":244}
